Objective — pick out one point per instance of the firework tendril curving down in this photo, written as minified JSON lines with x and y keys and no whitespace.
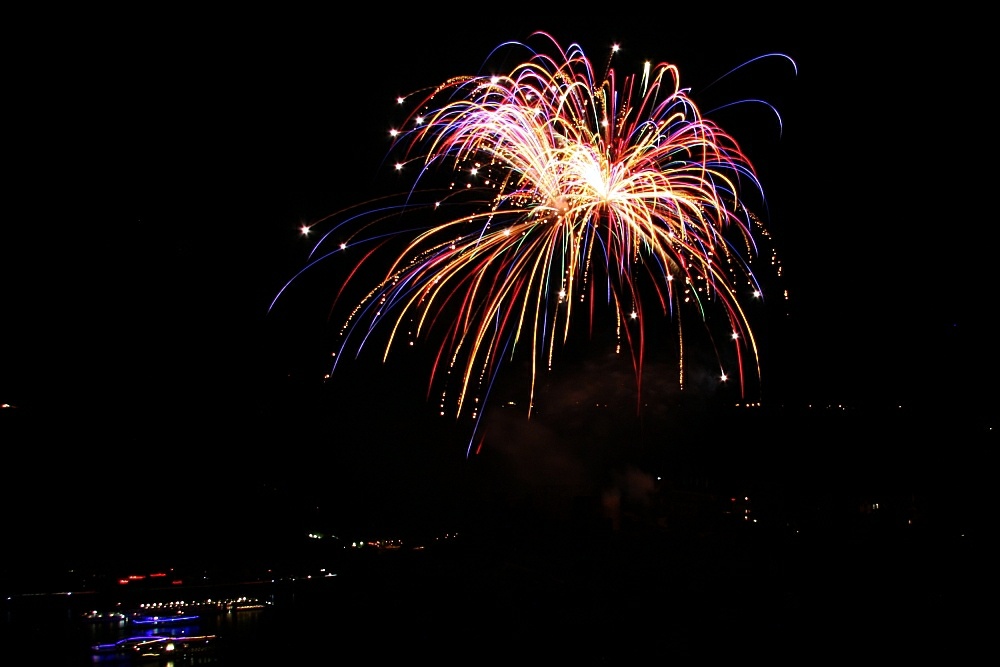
{"x":538,"y":191}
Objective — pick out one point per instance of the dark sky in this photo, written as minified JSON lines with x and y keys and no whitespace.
{"x":159,"y":174}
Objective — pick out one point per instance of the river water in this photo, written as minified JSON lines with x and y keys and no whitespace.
{"x":648,"y":598}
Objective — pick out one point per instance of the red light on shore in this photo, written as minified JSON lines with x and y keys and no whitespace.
{"x":123,"y":581}
{"x":158,"y":574}
{"x":177,"y":581}
{"x":135,"y":577}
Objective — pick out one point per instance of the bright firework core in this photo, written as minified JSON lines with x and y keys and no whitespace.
{"x":547,"y":187}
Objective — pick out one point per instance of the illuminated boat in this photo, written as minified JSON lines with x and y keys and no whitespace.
{"x":126,"y":646}
{"x":164,"y":620}
{"x":138,"y":649}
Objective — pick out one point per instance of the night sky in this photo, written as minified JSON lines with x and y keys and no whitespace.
{"x":159,"y":175}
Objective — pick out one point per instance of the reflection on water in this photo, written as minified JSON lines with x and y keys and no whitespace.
{"x":91,"y":629}
{"x":230,"y":627}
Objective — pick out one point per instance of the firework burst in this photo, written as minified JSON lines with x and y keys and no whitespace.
{"x":536,"y":193}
